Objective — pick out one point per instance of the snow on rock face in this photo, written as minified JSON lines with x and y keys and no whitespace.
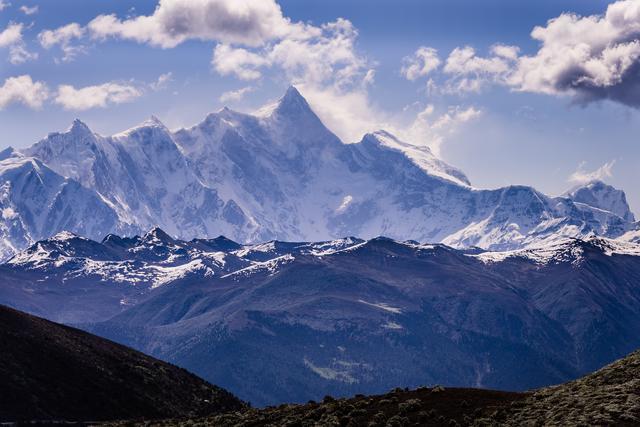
{"x":37,"y":203}
{"x":281,"y":174}
{"x":602,"y":196}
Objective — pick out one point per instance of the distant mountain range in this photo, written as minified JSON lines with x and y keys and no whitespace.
{"x":54,"y":374}
{"x":287,"y":322}
{"x":282,"y":175}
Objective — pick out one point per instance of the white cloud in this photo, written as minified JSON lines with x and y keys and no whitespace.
{"x":63,"y":36}
{"x":23,"y":90}
{"x":237,"y":61}
{"x":18,"y":54}
{"x":235,"y":95}
{"x":325,"y":57}
{"x":431,"y":129}
{"x":505,"y":51}
{"x":29,"y":10}
{"x":463,"y":70}
{"x":71,"y":98}
{"x":11,"y":37}
{"x":582,"y":176}
{"x":4,"y":5}
{"x":422,"y":62}
{"x":162,"y":81}
{"x":464,"y":61}
{"x":248,"y":22}
{"x":469,"y":72}
{"x":591,"y":58}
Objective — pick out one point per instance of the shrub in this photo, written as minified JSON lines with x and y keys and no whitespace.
{"x":410,"y":405}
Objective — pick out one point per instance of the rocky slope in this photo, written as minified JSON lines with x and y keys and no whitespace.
{"x":282,"y":175}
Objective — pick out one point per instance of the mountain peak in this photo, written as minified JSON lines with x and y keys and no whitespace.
{"x":7,"y":152}
{"x":65,"y":235}
{"x":420,"y":155}
{"x":79,"y":127}
{"x":293,"y":103}
{"x":601,"y":195}
{"x":154,"y":120}
{"x":158,"y":236}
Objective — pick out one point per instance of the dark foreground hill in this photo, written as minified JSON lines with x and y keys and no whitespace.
{"x":611,"y":396}
{"x":53,"y":372}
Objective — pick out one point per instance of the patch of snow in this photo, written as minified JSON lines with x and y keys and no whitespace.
{"x":331,"y":373}
{"x":382,"y":306}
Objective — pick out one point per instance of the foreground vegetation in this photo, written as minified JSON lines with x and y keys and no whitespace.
{"x":610,"y":396}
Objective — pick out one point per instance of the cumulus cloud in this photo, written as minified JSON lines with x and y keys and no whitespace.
{"x":63,"y":36}
{"x":248,"y":22}
{"x":4,"y":5}
{"x":463,"y":70}
{"x":235,"y":95}
{"x":240,"y":62}
{"x":591,"y":58}
{"x":29,"y":10}
{"x":325,"y":56}
{"x":588,"y":58}
{"x":23,"y":90}
{"x":583,"y":176}
{"x":71,"y":98}
{"x":470,"y":73}
{"x":11,"y":37}
{"x":422,"y":62}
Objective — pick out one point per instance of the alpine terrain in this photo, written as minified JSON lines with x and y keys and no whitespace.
{"x":280,"y":174}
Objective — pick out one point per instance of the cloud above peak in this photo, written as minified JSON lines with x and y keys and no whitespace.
{"x":248,"y":22}
{"x":583,"y":176}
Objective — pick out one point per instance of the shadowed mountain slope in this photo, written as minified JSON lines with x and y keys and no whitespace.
{"x":53,"y":372}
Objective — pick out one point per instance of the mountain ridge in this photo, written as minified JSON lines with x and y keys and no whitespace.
{"x":283,"y":175}
{"x":348,"y":315}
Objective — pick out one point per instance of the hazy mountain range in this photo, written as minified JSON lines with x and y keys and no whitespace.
{"x":280,"y":174}
{"x":280,"y":322}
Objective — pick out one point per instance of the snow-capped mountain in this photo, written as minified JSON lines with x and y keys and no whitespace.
{"x":36,"y":202}
{"x":602,"y":196}
{"x":281,"y":174}
{"x":286,"y":321}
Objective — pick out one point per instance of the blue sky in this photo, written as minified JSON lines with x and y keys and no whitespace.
{"x":467,"y":78}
